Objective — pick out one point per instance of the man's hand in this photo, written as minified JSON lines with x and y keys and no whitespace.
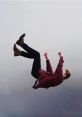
{"x":46,"y":55}
{"x":59,"y":53}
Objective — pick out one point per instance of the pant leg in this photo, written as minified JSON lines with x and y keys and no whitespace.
{"x":27,"y":55}
{"x":30,"y":50}
{"x":33,"y":54}
{"x":36,"y":66}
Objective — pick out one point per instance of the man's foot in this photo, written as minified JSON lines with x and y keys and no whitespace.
{"x":21,"y":40}
{"x":16,"y":50}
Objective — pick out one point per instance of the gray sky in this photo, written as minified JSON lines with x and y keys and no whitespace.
{"x":49,"y":26}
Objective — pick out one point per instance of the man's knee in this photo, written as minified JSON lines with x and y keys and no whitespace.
{"x":34,"y":75}
{"x":38,"y":54}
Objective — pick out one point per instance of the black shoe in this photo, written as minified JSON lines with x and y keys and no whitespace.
{"x":21,"y":40}
{"x":16,"y":50}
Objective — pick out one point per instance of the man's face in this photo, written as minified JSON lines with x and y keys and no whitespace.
{"x":64,"y":73}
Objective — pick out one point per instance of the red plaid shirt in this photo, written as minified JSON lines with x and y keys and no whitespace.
{"x":49,"y":78}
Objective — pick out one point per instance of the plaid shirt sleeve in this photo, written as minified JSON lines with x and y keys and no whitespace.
{"x":58,"y":72}
{"x":48,"y":66}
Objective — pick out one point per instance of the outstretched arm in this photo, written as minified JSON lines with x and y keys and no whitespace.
{"x":58,"y":72}
{"x":48,"y":65}
{"x":46,"y":56}
{"x":61,"y":61}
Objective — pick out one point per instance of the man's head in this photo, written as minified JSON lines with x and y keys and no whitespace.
{"x":66,"y":74}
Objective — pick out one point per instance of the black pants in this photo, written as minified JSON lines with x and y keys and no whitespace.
{"x":32,"y":54}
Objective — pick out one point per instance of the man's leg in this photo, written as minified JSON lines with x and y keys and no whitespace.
{"x":33,"y":55}
{"x":36,"y":63}
{"x":36,"y":66}
{"x":30,"y":50}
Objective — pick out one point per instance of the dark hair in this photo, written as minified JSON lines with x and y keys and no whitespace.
{"x":68,"y":74}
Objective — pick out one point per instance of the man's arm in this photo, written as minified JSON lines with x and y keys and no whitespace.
{"x":48,"y":64}
{"x":61,"y":61}
{"x":58,"y":72}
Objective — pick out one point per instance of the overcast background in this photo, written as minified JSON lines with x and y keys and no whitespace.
{"x":50,"y":26}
